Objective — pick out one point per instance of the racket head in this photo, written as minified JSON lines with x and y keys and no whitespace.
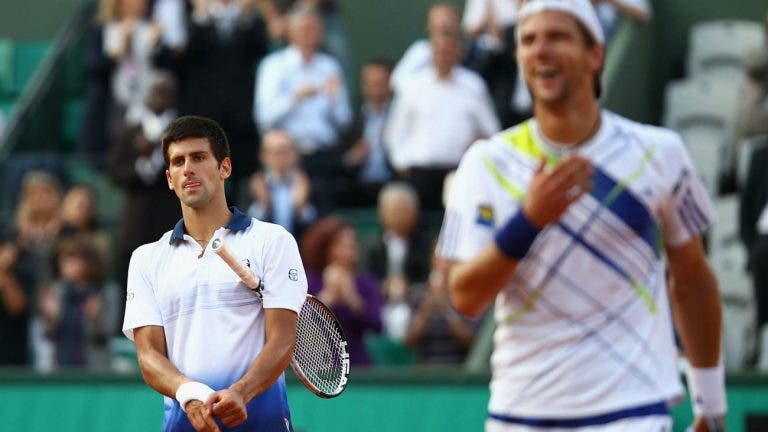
{"x":321,"y":357}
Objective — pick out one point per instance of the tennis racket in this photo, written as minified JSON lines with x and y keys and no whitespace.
{"x":321,"y":357}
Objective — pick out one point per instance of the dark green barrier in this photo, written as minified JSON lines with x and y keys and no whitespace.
{"x":377,"y":400}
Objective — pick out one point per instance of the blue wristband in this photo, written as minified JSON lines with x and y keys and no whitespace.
{"x":516,"y":236}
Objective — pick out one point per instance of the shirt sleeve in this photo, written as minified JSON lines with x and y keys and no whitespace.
{"x":469,"y":221}
{"x":274,"y":98}
{"x":141,"y":307}
{"x":285,"y":283}
{"x":687,"y":210}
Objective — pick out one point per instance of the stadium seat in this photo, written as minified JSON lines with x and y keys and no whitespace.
{"x":745,"y":149}
{"x":27,"y":56}
{"x":704,"y":112}
{"x":6,"y":66}
{"x":718,"y":48}
{"x":729,"y":259}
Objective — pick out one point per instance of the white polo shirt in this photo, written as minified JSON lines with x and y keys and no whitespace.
{"x":214,"y":325}
{"x":434,"y":120}
{"x":583,"y":327}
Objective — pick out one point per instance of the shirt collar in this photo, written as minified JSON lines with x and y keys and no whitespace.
{"x":238,"y":222}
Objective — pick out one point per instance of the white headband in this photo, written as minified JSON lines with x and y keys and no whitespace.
{"x":582,"y":10}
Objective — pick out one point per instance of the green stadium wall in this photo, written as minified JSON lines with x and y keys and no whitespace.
{"x":383,"y":400}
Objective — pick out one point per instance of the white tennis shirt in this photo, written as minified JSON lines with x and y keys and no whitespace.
{"x":584,"y":327}
{"x":214,"y":325}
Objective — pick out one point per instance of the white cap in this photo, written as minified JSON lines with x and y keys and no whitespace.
{"x":582,"y":10}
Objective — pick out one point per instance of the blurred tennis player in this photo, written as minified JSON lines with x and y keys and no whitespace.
{"x":215,"y":348}
{"x":564,"y":220}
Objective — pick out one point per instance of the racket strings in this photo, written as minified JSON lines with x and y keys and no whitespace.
{"x":319,"y":351}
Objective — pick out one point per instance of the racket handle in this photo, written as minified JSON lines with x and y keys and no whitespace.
{"x":244,"y":273}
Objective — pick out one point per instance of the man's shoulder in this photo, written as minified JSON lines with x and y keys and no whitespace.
{"x":152,"y":248}
{"x":658,"y":134}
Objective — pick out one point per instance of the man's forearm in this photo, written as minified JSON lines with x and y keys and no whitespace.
{"x":475,"y":283}
{"x":265,"y":370}
{"x":698,"y":316}
{"x":160,"y":374}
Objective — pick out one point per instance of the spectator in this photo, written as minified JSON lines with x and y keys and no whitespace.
{"x":442,"y":19}
{"x":78,"y":217}
{"x":753,"y":223}
{"x":38,"y":219}
{"x":227,"y":39}
{"x":437,"y":332}
{"x":364,"y":161}
{"x":611,"y":12}
{"x":753,"y":110}
{"x":137,"y":167}
{"x":275,"y":13}
{"x":329,"y":251}
{"x":38,"y":223}
{"x":118,"y":57}
{"x":280,"y":192}
{"x":17,"y":291}
{"x":79,"y":309}
{"x":435,"y":117}
{"x":402,"y":249}
{"x":302,"y":91}
{"x":490,"y":27}
{"x":130,"y":41}
{"x":172,"y":17}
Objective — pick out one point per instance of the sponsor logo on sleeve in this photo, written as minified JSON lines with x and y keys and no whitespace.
{"x":293,"y":275}
{"x":484,"y":215}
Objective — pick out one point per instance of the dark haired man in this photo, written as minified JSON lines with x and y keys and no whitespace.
{"x":558,"y":220}
{"x":216,"y":349}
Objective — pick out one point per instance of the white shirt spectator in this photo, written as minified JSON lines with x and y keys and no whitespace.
{"x":433,"y":120}
{"x":314,"y":122}
{"x":417,"y":58}
{"x":475,"y":13}
{"x":172,"y":16}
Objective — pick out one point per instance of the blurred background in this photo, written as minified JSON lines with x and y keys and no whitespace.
{"x":86,"y":88}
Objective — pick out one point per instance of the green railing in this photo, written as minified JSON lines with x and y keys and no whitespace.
{"x":377,"y":400}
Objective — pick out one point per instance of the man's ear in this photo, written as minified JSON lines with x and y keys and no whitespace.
{"x":225,"y":168}
{"x":168,"y":177}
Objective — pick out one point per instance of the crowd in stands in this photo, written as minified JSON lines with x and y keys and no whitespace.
{"x":274,"y":74}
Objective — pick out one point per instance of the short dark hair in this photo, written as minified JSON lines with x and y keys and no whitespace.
{"x":196,"y":127}
{"x":590,"y":41}
{"x":379,"y":62}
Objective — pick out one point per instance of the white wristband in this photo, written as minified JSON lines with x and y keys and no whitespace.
{"x":707,"y":391}
{"x":192,"y":390}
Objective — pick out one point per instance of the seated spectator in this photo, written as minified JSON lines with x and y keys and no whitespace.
{"x":364,"y":159}
{"x":435,"y":117}
{"x":137,"y":167}
{"x":438,"y":333}
{"x":611,"y":12}
{"x":442,"y":19}
{"x":38,"y":223}
{"x":280,"y":191}
{"x":402,"y":249}
{"x":329,"y":250}
{"x":79,"y":309}
{"x":302,"y":91}
{"x":78,"y":217}
{"x":38,"y":219}
{"x":17,"y":293}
